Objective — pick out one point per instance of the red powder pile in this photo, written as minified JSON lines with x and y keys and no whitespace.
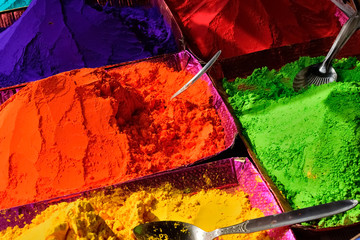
{"x":240,"y":27}
{"x":89,"y":128}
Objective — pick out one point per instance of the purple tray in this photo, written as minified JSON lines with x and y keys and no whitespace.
{"x":236,"y":173}
{"x":260,"y":196}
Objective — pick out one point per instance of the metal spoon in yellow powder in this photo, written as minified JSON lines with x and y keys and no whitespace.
{"x":179,"y":230}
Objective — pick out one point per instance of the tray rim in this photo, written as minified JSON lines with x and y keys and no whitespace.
{"x":302,"y":49}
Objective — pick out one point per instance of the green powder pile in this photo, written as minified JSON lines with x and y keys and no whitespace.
{"x":308,"y":141}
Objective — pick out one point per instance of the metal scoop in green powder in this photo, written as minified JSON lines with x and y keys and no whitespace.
{"x":323,"y":73}
{"x":307,"y":141}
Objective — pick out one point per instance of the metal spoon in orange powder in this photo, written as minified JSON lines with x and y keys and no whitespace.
{"x":89,"y":128}
{"x":198,"y":75}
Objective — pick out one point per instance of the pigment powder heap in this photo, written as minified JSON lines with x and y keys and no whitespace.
{"x":114,"y":216}
{"x":89,"y":128}
{"x":308,"y":142}
{"x":237,"y":28}
{"x":55,"y":36}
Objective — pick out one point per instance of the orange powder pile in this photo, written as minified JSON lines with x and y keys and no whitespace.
{"x":89,"y":128}
{"x":114,"y":216}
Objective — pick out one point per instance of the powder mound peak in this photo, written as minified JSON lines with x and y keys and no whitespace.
{"x":56,"y":36}
{"x":124,"y":100}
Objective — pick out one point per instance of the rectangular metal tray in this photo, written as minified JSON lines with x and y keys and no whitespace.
{"x":184,"y":60}
{"x":231,"y":173}
{"x":275,"y":58}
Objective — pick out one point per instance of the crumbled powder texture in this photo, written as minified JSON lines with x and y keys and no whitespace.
{"x":11,"y":4}
{"x":308,"y":141}
{"x":114,"y":216}
{"x":55,"y":36}
{"x":89,"y":128}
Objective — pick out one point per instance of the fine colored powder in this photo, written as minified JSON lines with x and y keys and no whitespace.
{"x":308,"y":142}
{"x":341,"y":16}
{"x":241,"y":27}
{"x":11,"y":4}
{"x":89,"y":128}
{"x":115,"y":215}
{"x":55,"y":36}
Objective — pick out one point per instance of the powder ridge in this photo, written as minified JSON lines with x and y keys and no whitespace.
{"x":90,"y":128}
{"x":102,"y":216}
{"x":56,"y":36}
{"x":308,"y":141}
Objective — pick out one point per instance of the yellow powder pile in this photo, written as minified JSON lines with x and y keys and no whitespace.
{"x":114,"y":216}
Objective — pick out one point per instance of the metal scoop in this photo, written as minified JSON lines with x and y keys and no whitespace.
{"x":198,"y":75}
{"x":323,"y":73}
{"x":347,"y":9}
{"x":179,"y":230}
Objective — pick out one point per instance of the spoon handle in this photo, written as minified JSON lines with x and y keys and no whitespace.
{"x":347,"y":30}
{"x":289,"y":218}
{"x":198,"y":75}
{"x":345,"y":8}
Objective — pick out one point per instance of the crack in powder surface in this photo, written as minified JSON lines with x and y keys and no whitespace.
{"x":89,"y":128}
{"x":309,"y":141}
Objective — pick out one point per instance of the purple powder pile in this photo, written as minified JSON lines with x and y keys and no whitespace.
{"x":145,"y":24}
{"x":54,"y":36}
